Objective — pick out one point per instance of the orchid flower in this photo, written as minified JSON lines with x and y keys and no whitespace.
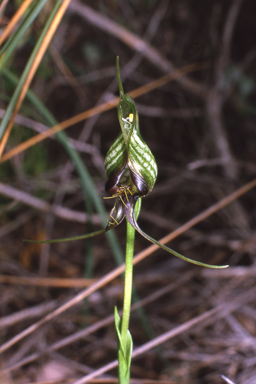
{"x":131,"y":171}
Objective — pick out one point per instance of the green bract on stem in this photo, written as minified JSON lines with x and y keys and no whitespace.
{"x":131,"y":174}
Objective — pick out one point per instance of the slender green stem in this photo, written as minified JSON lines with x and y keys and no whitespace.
{"x":123,"y":334}
{"x":127,"y":282}
{"x":122,"y":327}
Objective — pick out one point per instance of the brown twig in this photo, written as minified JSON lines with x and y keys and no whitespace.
{"x":46,"y":281}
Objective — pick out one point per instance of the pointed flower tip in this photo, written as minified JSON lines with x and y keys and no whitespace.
{"x":211,"y":266}
{"x":121,"y":90}
{"x":223,"y":266}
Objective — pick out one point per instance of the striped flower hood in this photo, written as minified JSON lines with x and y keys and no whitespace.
{"x":129,"y":163}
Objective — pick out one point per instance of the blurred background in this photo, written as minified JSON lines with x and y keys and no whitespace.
{"x":201,"y":130}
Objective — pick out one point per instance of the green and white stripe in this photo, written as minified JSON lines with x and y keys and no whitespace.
{"x":142,"y":160}
{"x":116,"y":156}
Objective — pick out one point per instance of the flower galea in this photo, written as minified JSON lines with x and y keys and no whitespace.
{"x":131,"y":174}
{"x":130,"y":165}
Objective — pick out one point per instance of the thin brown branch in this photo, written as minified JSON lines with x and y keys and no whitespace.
{"x":46,"y":281}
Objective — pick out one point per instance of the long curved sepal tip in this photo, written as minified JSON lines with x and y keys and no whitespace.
{"x":176,"y":253}
{"x":87,"y":236}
